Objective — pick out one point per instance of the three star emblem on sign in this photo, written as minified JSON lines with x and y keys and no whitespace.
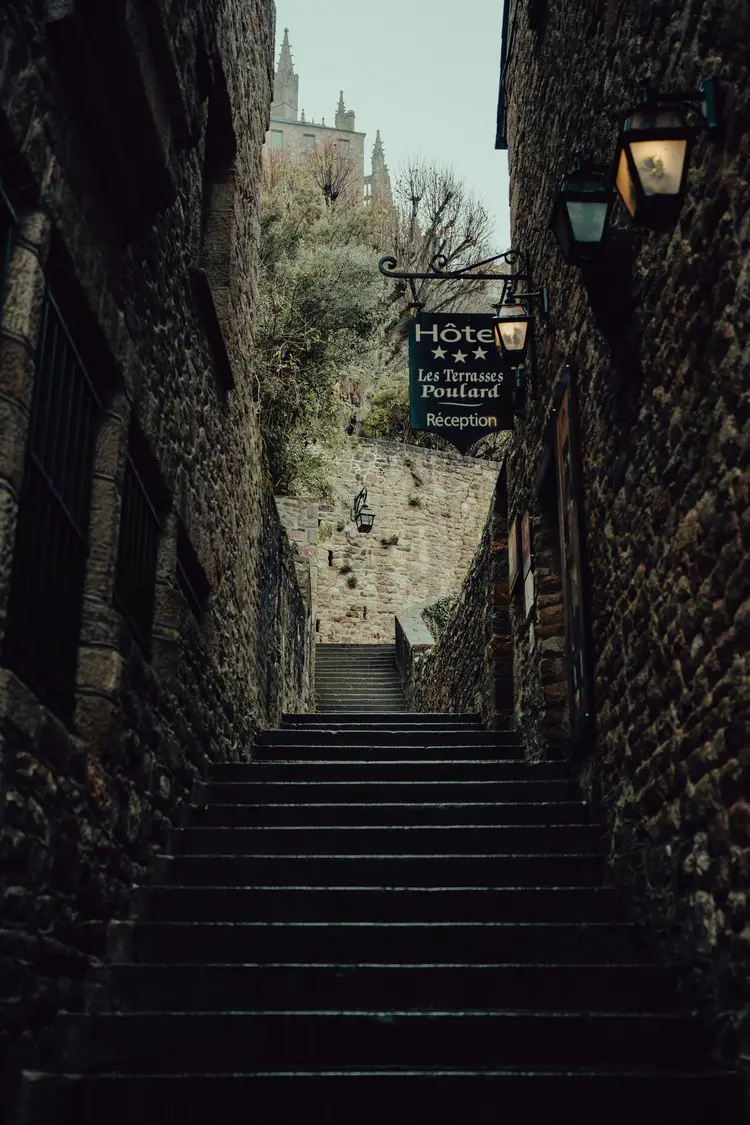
{"x":459,"y":356}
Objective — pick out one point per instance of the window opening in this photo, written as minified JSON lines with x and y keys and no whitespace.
{"x":330,"y":558}
{"x":51,"y":549}
{"x":218,"y":190}
{"x":191,"y":577}
{"x":277,"y":139}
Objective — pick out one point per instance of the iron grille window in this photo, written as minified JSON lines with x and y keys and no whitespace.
{"x":191,"y":577}
{"x":140,"y":526}
{"x":49,"y":563}
{"x":7,"y":226}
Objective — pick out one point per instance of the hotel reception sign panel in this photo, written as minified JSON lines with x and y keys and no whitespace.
{"x":457,"y":385}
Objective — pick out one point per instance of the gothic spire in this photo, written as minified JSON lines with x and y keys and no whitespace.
{"x":286,"y":85}
{"x":378,"y":150}
{"x":286,"y":66}
{"x":341,"y":112}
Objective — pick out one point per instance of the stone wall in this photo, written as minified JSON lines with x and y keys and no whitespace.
{"x":469,"y":669}
{"x":430,"y":511}
{"x":659,"y":349}
{"x":134,"y":182}
{"x":301,"y":519}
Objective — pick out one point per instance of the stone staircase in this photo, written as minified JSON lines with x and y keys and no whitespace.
{"x":384,"y":918}
{"x":359,"y":678}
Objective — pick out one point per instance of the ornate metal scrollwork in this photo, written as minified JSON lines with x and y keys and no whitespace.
{"x":516,"y":273}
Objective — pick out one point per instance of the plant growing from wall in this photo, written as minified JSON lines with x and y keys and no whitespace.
{"x":352,"y":581}
{"x":437,"y":615}
{"x":389,"y":541}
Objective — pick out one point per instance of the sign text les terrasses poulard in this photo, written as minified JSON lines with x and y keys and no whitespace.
{"x":457,"y":387}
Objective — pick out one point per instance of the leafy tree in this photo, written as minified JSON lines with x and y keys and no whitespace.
{"x":318,"y":314}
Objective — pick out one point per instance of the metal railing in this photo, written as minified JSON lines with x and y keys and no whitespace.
{"x":49,"y":563}
{"x":135,"y":578}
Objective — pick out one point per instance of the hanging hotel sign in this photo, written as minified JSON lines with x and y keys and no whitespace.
{"x":457,"y":385}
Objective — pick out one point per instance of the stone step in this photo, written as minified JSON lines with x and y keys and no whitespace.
{"x":492,"y":869}
{"x":387,"y":736}
{"x":386,"y":904}
{"x":415,"y":813}
{"x":379,"y":700}
{"x":337,"y":987}
{"x":321,"y":708}
{"x":460,"y":837}
{"x":528,"y":793}
{"x":409,"y":717}
{"x":358,"y":675}
{"x":223,"y":1042}
{"x":379,"y":769}
{"x":385,"y":703}
{"x":404,"y":942}
{"x":436,"y":747}
{"x":337,"y":705}
{"x":354,"y":652}
{"x":587,"y":1096}
{"x":332,"y":723}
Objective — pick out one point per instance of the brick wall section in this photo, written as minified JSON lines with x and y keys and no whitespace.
{"x":84,"y":806}
{"x":469,"y":669}
{"x":433,"y":504}
{"x":662,"y":367}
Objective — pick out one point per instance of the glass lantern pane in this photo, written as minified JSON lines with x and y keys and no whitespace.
{"x":656,"y":117}
{"x":587,"y":220}
{"x":659,"y":165}
{"x":514,"y":335}
{"x":625,"y":184}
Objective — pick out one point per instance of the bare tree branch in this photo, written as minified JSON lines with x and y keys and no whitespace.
{"x":332,"y":170}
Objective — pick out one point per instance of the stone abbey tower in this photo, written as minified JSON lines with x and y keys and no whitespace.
{"x":292,"y":134}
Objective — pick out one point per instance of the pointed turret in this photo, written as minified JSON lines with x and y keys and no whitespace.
{"x":286,"y":85}
{"x":380,"y":179}
{"x":341,"y":112}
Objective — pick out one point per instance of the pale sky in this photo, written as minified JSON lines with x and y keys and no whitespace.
{"x":424,"y":72}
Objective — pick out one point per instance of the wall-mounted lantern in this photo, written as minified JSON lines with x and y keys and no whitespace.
{"x":362,"y":516}
{"x":511,"y":330}
{"x":510,"y":324}
{"x":651,"y":161}
{"x":580,"y":214}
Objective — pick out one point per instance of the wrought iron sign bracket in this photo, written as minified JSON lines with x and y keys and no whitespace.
{"x":516,"y":274}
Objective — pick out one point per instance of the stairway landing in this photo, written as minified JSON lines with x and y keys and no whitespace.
{"x":360,"y":678}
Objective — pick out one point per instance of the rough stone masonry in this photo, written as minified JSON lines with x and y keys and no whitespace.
{"x":130,"y":150}
{"x":658,"y":344}
{"x":430,"y":511}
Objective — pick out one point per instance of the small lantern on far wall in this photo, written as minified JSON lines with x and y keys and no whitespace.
{"x":581,"y":213}
{"x":651,"y":160}
{"x":362,"y":516}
